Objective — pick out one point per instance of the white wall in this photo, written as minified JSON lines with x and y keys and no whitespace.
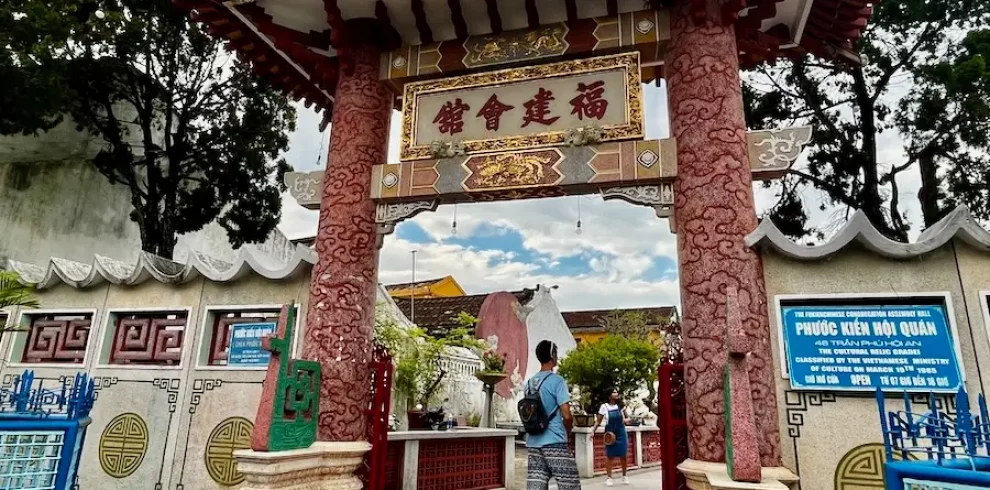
{"x":54,"y":203}
{"x":543,"y":322}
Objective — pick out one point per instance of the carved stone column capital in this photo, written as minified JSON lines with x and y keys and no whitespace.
{"x":704,"y":475}
{"x":322,"y":466}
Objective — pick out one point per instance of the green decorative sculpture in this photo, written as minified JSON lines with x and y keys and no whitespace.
{"x":290,"y":403}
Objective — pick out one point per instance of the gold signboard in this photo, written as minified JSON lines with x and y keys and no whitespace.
{"x":582,"y":101}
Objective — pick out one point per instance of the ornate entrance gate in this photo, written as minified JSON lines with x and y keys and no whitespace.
{"x":472,"y":132}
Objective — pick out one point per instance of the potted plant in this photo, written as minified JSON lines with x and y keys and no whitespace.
{"x":493,"y":367}
{"x":581,"y":417}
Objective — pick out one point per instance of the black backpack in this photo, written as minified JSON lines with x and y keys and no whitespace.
{"x":532,"y":413}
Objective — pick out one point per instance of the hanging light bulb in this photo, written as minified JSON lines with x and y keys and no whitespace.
{"x":577,"y":230}
{"x":453,"y":224}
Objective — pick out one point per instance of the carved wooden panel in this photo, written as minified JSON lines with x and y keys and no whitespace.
{"x":57,"y":339}
{"x":148,"y":338}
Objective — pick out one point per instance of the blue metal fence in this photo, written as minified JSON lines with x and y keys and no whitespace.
{"x":932,"y":449}
{"x":42,"y":430}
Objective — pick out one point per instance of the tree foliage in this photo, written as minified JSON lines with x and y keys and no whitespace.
{"x":14,"y":293}
{"x":662,"y":333}
{"x":417,"y":355}
{"x":614,"y":362}
{"x":925,"y":77}
{"x":190,"y":131}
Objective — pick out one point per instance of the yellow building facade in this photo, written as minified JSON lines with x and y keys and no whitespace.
{"x":444,"y":287}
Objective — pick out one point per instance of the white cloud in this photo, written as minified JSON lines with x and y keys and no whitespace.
{"x":491,"y":270}
{"x":619,"y":239}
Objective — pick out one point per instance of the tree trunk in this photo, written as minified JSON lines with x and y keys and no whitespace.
{"x":929,"y":192}
{"x":156,"y":237}
{"x":872,"y":203}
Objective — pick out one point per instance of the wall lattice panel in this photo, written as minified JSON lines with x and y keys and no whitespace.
{"x":652,"y":452}
{"x":600,"y":451}
{"x":149,"y":338}
{"x":393,"y":465}
{"x":468,"y":464}
{"x":57,"y":339}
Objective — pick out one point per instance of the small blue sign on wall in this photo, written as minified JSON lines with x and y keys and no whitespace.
{"x":245,"y":344}
{"x":860,"y":348}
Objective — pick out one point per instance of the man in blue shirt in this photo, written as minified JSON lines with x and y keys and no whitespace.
{"x":549,"y":454}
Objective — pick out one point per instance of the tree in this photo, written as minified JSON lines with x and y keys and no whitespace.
{"x":192,"y":134}
{"x":14,"y":293}
{"x":614,"y":362}
{"x":638,"y":325}
{"x":633,"y":324}
{"x":913,"y":45}
{"x":417,"y":355}
{"x":34,"y":85}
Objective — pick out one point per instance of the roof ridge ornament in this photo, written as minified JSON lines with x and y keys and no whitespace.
{"x":957,"y":224}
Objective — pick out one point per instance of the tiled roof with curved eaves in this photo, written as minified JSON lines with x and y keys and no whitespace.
{"x":151,"y":267}
{"x":294,"y":44}
{"x":959,"y":224}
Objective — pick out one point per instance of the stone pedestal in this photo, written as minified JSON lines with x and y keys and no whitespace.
{"x":322,"y":466}
{"x":489,"y":380}
{"x":702,"y":475}
{"x":714,"y":212}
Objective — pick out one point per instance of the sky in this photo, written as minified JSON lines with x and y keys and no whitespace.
{"x":624,"y":257}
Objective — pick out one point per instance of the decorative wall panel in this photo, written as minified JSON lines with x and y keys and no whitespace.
{"x":57,"y":339}
{"x":652,"y":441}
{"x":123,"y":445}
{"x":230,"y":435}
{"x":148,"y":338}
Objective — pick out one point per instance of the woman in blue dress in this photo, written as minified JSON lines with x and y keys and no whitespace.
{"x":615,"y":418}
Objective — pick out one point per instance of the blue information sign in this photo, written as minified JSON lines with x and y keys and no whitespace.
{"x":245,"y":344}
{"x":912,"y":484}
{"x":864,"y":347}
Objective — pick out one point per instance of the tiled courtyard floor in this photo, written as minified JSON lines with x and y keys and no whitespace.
{"x":639,"y":480}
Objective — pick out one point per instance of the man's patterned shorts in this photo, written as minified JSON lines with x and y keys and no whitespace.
{"x":554,"y":461}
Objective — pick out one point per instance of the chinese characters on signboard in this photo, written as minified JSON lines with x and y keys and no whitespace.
{"x":865,"y":347}
{"x":245,"y":344}
{"x":524,"y":108}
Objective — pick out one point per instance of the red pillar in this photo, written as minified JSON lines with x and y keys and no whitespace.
{"x":713,"y":212}
{"x":342,"y":295}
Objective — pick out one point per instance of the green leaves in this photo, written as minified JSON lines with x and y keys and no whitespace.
{"x":417,"y":355}
{"x":926,"y":78}
{"x":13,"y":293}
{"x":615,"y":362}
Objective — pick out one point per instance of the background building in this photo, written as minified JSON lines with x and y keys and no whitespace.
{"x":587,"y":326}
{"x":443,"y":287}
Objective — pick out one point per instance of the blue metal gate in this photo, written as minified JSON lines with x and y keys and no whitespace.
{"x":42,"y":431}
